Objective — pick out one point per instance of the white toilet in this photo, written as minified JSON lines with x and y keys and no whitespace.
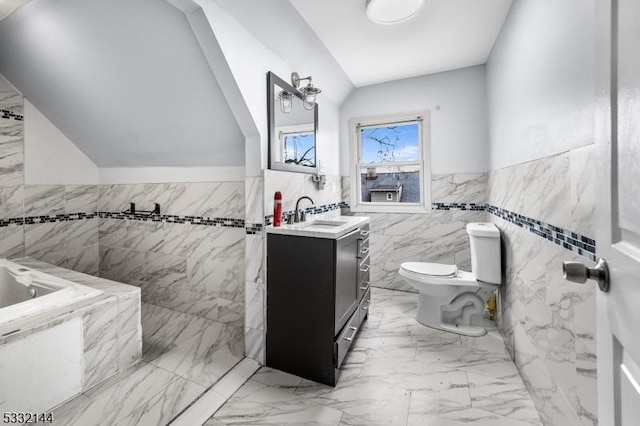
{"x":454,"y":300}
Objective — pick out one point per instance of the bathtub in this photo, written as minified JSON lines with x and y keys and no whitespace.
{"x":26,"y":292}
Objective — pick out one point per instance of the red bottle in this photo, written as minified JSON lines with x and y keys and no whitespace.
{"x":277,"y":209}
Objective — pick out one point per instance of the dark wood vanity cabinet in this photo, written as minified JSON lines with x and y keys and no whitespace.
{"x":317,"y":298}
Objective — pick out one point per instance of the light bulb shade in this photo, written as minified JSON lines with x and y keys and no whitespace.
{"x":309,"y":102}
{"x":392,"y":11}
{"x":309,"y":94}
{"x":286,"y":103}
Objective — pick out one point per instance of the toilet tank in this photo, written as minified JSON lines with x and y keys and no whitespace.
{"x":484,"y":239}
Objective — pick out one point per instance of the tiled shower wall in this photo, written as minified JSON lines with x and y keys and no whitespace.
{"x":53,"y":223}
{"x":438,"y":236}
{"x":191,"y":258}
{"x":549,"y":323}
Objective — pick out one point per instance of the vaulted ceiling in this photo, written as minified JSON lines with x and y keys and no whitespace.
{"x":443,"y":35}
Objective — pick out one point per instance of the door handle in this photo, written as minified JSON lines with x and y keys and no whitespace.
{"x":578,"y":272}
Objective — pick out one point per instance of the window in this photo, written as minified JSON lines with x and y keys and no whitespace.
{"x":390,"y":167}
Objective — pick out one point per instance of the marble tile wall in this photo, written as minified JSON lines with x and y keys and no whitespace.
{"x":295,"y":185}
{"x":192,"y":268}
{"x":11,"y":135}
{"x":255,"y":300}
{"x":39,"y":220}
{"x":438,"y":236}
{"x":11,"y":169}
{"x":548,"y":323}
{"x":68,"y":243}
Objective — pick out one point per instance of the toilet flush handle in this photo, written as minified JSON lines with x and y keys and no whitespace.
{"x":578,"y":272}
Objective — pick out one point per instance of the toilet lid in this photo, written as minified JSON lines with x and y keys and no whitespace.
{"x":433,"y":269}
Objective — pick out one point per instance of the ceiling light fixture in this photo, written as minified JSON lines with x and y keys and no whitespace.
{"x":309,"y":92}
{"x":392,"y":11}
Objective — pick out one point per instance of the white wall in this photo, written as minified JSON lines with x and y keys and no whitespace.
{"x":328,"y":147}
{"x":131,"y":175}
{"x":540,"y":81}
{"x":279,"y":26}
{"x":50,"y":158}
{"x":456,"y":100}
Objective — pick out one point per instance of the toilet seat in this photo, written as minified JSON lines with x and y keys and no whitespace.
{"x":460,"y":278}
{"x":431,"y":269}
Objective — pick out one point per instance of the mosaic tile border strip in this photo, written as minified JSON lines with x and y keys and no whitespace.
{"x":268,"y":219}
{"x":11,"y":115}
{"x":191,"y":220}
{"x":251,"y":229}
{"x":33,"y":220}
{"x":459,"y":206}
{"x":254,"y":228}
{"x":576,"y":243}
{"x":572,"y":241}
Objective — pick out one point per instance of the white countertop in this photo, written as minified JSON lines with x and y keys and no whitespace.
{"x":332,"y":228}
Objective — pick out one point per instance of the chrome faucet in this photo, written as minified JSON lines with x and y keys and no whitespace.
{"x":301,"y":217}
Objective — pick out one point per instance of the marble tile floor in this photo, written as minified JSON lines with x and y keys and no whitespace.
{"x":399,"y":373}
{"x":183,"y":355}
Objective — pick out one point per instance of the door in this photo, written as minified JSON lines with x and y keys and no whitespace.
{"x":618,"y":239}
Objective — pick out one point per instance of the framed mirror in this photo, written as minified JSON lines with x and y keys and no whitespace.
{"x":292,"y":128}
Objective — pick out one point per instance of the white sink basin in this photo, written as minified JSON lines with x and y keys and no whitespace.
{"x":325,"y":223}
{"x":321,"y":228}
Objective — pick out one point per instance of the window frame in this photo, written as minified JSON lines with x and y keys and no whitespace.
{"x":424,"y":163}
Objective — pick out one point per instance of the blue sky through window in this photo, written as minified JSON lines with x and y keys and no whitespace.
{"x":389,"y":143}
{"x":299,"y":148}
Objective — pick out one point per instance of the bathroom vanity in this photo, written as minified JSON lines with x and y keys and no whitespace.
{"x":317,"y":294}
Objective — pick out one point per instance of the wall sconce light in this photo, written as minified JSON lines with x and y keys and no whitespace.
{"x":309,"y":92}
{"x":286,"y":99}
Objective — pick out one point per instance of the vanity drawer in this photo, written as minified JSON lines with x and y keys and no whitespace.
{"x":364,"y":285}
{"x":348,"y":335}
{"x":364,"y":268}
{"x":346,"y":338}
{"x":363,"y":308}
{"x":363,"y":247}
